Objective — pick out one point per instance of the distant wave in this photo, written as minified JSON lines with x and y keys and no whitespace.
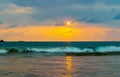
{"x":61,"y":49}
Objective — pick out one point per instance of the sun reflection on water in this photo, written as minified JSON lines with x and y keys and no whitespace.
{"x":69,"y":66}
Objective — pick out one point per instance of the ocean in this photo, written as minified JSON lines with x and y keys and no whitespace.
{"x":113,"y":46}
{"x":49,"y":59}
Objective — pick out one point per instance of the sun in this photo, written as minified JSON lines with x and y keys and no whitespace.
{"x":68,"y":22}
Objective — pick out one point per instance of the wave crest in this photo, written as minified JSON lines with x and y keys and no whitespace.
{"x":3,"y":51}
{"x":63,"y":49}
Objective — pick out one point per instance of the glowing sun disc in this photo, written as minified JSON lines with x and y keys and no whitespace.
{"x":68,"y":22}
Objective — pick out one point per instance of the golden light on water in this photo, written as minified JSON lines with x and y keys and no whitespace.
{"x":69,"y":63}
{"x":69,"y":66}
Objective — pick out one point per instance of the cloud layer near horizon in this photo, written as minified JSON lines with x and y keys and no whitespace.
{"x":76,"y":32}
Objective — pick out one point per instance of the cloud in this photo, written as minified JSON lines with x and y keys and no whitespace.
{"x":15,"y":9}
{"x":113,"y":33}
{"x":38,"y":12}
{"x":90,"y":20}
{"x":100,"y":13}
{"x":7,"y":26}
{"x":117,"y":17}
{"x":76,"y":32}
{"x":15,"y":14}
{"x":1,"y":22}
{"x":94,"y":19}
{"x":110,"y":35}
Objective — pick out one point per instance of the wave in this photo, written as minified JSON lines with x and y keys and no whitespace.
{"x":108,"y":49}
{"x":3,"y":51}
{"x":62,"y":49}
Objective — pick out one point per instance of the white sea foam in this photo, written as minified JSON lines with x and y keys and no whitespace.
{"x":75,"y":49}
{"x":2,"y":51}
{"x":60,"y":49}
{"x":108,"y":49}
{"x":65,"y":49}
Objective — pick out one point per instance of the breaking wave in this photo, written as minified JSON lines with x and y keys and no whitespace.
{"x":3,"y":51}
{"x":61,"y":49}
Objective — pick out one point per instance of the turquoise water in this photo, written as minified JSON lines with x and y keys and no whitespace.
{"x":5,"y":47}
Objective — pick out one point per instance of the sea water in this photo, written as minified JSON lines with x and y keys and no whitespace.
{"x":60,"y":46}
{"x":42,"y":62}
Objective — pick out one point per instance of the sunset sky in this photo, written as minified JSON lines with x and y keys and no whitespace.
{"x":60,"y":20}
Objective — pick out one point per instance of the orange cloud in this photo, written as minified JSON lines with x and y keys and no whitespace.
{"x":75,"y":32}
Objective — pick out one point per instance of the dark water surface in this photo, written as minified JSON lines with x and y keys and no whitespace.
{"x":47,"y":65}
{"x":59,"y":44}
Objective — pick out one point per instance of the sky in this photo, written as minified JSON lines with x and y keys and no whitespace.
{"x":60,"y":20}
